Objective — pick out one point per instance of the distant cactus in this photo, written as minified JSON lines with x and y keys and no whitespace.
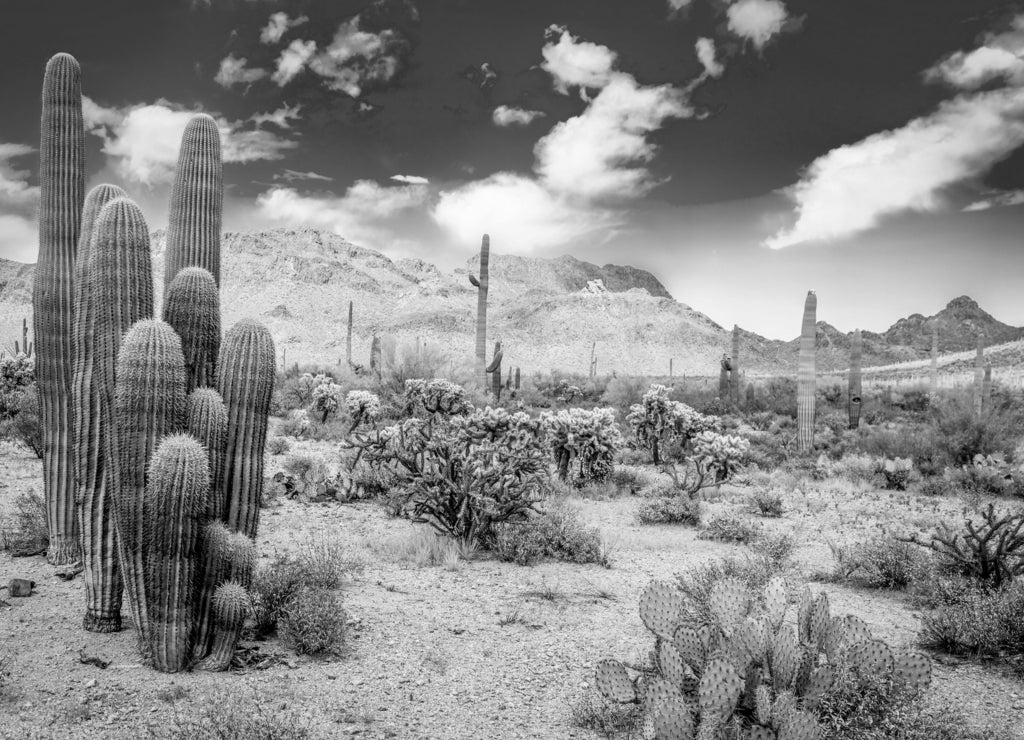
{"x":25,"y":348}
{"x":516,"y":384}
{"x":806,"y":379}
{"x":192,"y":308}
{"x":482,"y":284}
{"x":979,"y":375}
{"x":933,"y":373}
{"x":173,"y":508}
{"x":117,"y":291}
{"x":593,"y":361}
{"x":149,"y":404}
{"x":245,"y":380}
{"x":375,"y":358}
{"x":494,"y":370}
{"x":723,"y":378}
{"x":856,"y":349}
{"x":62,"y":190}
{"x":986,"y":388}
{"x":734,"y":367}
{"x":348,"y":337}
{"x":197,"y":202}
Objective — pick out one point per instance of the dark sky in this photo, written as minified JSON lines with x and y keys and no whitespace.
{"x":743,"y":150}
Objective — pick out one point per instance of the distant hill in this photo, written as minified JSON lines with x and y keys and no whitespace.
{"x":547,"y":311}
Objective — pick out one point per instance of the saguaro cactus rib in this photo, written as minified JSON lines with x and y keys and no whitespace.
{"x":62,"y":190}
{"x":117,"y":292}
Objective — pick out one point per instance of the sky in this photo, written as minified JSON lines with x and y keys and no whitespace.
{"x":744,"y":151}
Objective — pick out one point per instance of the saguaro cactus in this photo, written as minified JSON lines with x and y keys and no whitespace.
{"x":979,"y":374}
{"x":986,"y":388}
{"x":348,"y":337}
{"x":723,"y":378}
{"x":192,"y":308}
{"x":593,"y":361}
{"x":197,"y":202}
{"x":234,"y":556}
{"x":805,"y":377}
{"x":116,"y":291}
{"x":481,"y":283}
{"x":375,"y":356}
{"x":933,"y":373}
{"x":245,"y":379}
{"x":149,"y":404}
{"x":856,"y":348}
{"x":61,"y":192}
{"x":734,"y":366}
{"x":494,"y":369}
{"x":172,"y":510}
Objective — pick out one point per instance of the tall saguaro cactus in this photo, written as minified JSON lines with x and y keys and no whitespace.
{"x":192,"y":308}
{"x":197,"y":202}
{"x":933,"y":372}
{"x":734,"y":367}
{"x":856,"y":350}
{"x":494,"y":370}
{"x":61,"y":191}
{"x":805,"y":376}
{"x":245,"y":379}
{"x":116,"y":291}
{"x":979,"y":375}
{"x":482,"y":283}
{"x":348,"y":337}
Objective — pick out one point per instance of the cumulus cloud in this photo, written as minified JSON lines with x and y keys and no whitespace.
{"x":360,"y":214}
{"x":279,"y":117}
{"x":757,"y":20}
{"x":15,"y":192}
{"x":293,"y":175}
{"x":143,"y":139}
{"x":706,"y":55}
{"x":293,"y":60}
{"x":674,"y":6}
{"x":518,"y":212}
{"x":505,"y":115}
{"x":1000,"y":57}
{"x":411,"y":179}
{"x":278,"y":25}
{"x":575,"y":63}
{"x":19,"y":238}
{"x":998,"y":200}
{"x":233,"y":71}
{"x":852,"y":188}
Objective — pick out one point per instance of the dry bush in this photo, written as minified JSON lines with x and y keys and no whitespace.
{"x":730,"y":528}
{"x":24,"y":531}
{"x":227,"y":715}
{"x":557,"y":533}
{"x":880,"y":562}
{"x":313,"y":622}
{"x":670,"y":510}
{"x":767,"y":502}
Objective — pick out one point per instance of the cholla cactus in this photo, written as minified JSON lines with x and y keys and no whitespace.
{"x":720,"y":454}
{"x":658,"y":419}
{"x":744,"y":670}
{"x":362,"y":406}
{"x":584,"y":442}
{"x":16,"y":372}
{"x":435,"y":397}
{"x":326,"y":399}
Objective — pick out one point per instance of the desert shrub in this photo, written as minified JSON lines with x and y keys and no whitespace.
{"x":297,"y":424}
{"x":411,"y":362}
{"x":855,"y":467}
{"x":23,"y":425}
{"x":775,"y":549}
{"x":912,"y":441}
{"x":780,"y":396}
{"x":882,"y":561}
{"x":583,"y":443}
{"x":729,"y":528}
{"x":960,"y":434}
{"x":313,"y":622}
{"x":17,"y":374}
{"x":897,"y":473}
{"x":556,"y":533}
{"x":304,"y":466}
{"x":631,"y":478}
{"x":767,"y":502}
{"x":297,"y":391}
{"x":461,"y":475}
{"x":231,"y":715}
{"x":978,"y":622}
{"x":609,"y":719}
{"x":985,"y":475}
{"x":24,"y":531}
{"x":624,"y":393}
{"x":278,"y":445}
{"x":670,"y":510}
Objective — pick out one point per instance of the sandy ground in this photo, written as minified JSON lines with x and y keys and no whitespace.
{"x":484,"y":649}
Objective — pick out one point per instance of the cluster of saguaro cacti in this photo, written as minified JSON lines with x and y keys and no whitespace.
{"x":157,"y":472}
{"x":856,"y":351}
{"x":481,"y":284}
{"x":805,"y":376}
{"x":746,"y":673}
{"x":494,"y":370}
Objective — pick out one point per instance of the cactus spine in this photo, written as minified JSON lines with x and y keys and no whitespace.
{"x":495,"y":371}
{"x":856,"y":349}
{"x":149,"y":403}
{"x":62,"y":190}
{"x":734,"y":366}
{"x":192,"y":308}
{"x":197,"y":202}
{"x":348,"y":337}
{"x":172,"y":511}
{"x":979,"y":375}
{"x":482,"y":283}
{"x":805,"y":379}
{"x":245,"y":379}
{"x":933,"y":372}
{"x":117,"y":291}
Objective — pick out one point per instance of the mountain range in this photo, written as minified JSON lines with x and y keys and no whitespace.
{"x":548,"y":312}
